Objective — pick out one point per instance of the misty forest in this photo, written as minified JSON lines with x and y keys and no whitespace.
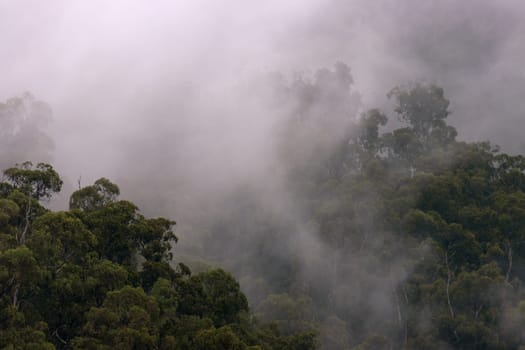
{"x":320,"y":174}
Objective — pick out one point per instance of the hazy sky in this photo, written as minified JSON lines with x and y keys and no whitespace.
{"x":118,"y":72}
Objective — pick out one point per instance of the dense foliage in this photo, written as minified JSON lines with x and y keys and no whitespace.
{"x":99,"y":277}
{"x":414,"y":239}
{"x":443,"y":222}
{"x":404,"y":238}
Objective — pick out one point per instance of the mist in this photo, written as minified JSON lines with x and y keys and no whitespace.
{"x":188,"y":106}
{"x":110,"y":69}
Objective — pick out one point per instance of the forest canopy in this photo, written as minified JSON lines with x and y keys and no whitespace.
{"x":424,"y":231}
{"x":99,"y":276}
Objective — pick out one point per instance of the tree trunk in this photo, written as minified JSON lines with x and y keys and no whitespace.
{"x":22,"y":238}
{"x":509,"y":268}
{"x":448,"y":286}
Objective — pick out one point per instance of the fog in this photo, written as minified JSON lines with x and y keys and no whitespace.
{"x":108,"y":69}
{"x":175,"y":100}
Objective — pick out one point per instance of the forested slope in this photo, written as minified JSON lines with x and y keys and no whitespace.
{"x":99,"y":277}
{"x":404,"y":238}
{"x":415,"y":239}
{"x":438,"y":221}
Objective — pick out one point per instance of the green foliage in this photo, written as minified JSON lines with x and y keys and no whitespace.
{"x":60,"y":238}
{"x":38,"y":182}
{"x":290,"y":315}
{"x":112,"y":226}
{"x":218,"y":339}
{"x":100,"y":194}
{"x":273,"y":339}
{"x":126,"y":320}
{"x":19,"y":274}
{"x":18,"y":334}
{"x":421,"y":240}
{"x":99,"y":276}
{"x":425,"y":108}
{"x":223,"y":296}
{"x":424,"y":234}
{"x":213,"y":294}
